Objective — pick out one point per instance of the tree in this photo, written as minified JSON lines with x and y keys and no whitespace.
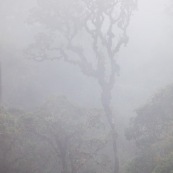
{"x":76,"y":136}
{"x":73,"y":28}
{"x":165,"y":166}
{"x":152,"y":132}
{"x":56,"y":136}
{"x":20,"y":150}
{"x":10,"y":133}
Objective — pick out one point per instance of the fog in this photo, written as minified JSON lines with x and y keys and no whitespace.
{"x":145,"y":63}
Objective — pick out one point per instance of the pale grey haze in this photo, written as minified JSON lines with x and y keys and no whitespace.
{"x":84,"y":109}
{"x":145,"y":63}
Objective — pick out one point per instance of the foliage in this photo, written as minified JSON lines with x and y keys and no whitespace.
{"x":10,"y":132}
{"x":152,"y":131}
{"x":57,"y":136}
{"x":76,"y":135}
{"x":165,"y":166}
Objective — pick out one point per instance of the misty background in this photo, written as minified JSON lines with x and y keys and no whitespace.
{"x":146,"y":63}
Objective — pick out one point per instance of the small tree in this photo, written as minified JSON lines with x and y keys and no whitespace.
{"x":74,"y":28}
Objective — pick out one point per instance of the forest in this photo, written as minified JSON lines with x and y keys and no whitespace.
{"x":86,"y":86}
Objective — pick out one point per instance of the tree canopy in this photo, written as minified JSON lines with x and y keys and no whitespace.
{"x":152,"y":131}
{"x":57,"y":136}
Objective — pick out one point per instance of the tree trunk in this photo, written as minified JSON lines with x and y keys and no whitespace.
{"x":63,"y":155}
{"x":106,"y":99}
{"x":64,"y":164}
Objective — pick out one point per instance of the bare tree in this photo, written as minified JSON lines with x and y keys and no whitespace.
{"x":74,"y":28}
